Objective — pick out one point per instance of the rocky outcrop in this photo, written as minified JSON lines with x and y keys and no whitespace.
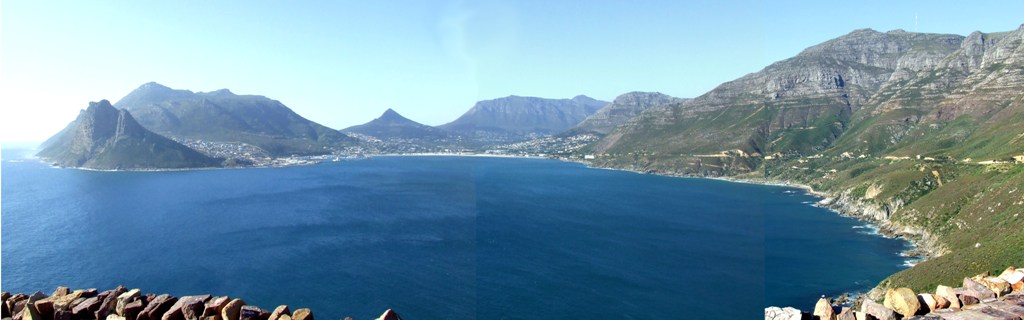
{"x":103,"y":137}
{"x":122,"y":304}
{"x":392,"y":125}
{"x":621,"y":110}
{"x":973,"y":300}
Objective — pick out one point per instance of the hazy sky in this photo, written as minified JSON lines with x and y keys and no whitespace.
{"x":342,"y":63}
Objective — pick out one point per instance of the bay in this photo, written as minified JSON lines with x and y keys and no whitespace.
{"x":436,"y":238}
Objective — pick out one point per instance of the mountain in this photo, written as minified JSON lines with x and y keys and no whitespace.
{"x":621,"y":110}
{"x":103,"y":137}
{"x":392,"y":125}
{"x":921,"y":133}
{"x":223,"y":116}
{"x":516,"y":117}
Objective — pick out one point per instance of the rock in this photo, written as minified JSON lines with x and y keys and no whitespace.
{"x":1015,"y":278}
{"x":132,"y":310}
{"x":214,"y":307}
{"x":61,"y":291}
{"x":109,"y":303}
{"x":391,"y":315}
{"x":285,"y":317}
{"x":940,"y":302}
{"x":157,"y":307}
{"x":30,"y":314}
{"x":928,"y":302}
{"x":302,"y":314}
{"x":993,"y":312}
{"x":232,"y":309}
{"x":770,"y":313}
{"x":822,"y":310}
{"x":903,"y":301}
{"x":949,"y":294}
{"x":4,"y":296}
{"x":16,"y":310}
{"x":65,"y":302}
{"x":997,"y":285}
{"x":124,"y":299}
{"x":187,"y":308}
{"x":36,"y":297}
{"x":252,"y":313}
{"x":279,"y":311}
{"x":86,"y":308}
{"x":44,"y":308}
{"x":977,"y":290}
{"x":113,"y":316}
{"x":4,"y":311}
{"x":62,"y":315}
{"x":846,"y":314}
{"x":876,"y":310}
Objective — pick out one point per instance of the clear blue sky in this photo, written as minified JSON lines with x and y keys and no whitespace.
{"x":342,"y":63}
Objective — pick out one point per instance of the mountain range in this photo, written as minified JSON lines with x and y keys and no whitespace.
{"x":624,"y":108}
{"x":517,"y":117}
{"x":226,"y":117}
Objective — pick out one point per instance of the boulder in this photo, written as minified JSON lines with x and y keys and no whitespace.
{"x":132,"y":310}
{"x":109,"y":303}
{"x":62,"y":315}
{"x":4,"y":296}
{"x":252,"y":313}
{"x":214,"y":307}
{"x":61,"y":291}
{"x":279,"y":311}
{"x":975,"y":289}
{"x":770,"y":313}
{"x":187,"y":308}
{"x":4,"y":311}
{"x":822,"y":310}
{"x":903,"y":301}
{"x":940,"y":302}
{"x":113,"y":316}
{"x":928,"y":302}
{"x":391,"y":315}
{"x":880,"y":312}
{"x":38,"y":295}
{"x":124,"y":299}
{"x":302,"y":314}
{"x":949,"y":294}
{"x":285,"y":317}
{"x":993,"y":312}
{"x":231,"y":309}
{"x":846,"y":314}
{"x":16,"y":310}
{"x":30,"y":314}
{"x":157,"y":307}
{"x":997,"y":285}
{"x":44,"y":308}
{"x":85,"y":309}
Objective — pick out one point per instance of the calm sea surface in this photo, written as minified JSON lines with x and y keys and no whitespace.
{"x":436,"y":238}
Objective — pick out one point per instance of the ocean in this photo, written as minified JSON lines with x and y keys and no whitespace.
{"x":437,"y":238}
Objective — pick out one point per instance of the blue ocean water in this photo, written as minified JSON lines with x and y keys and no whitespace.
{"x":436,"y":238}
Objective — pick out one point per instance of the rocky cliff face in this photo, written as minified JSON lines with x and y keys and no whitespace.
{"x":621,"y":110}
{"x":223,"y":116}
{"x":103,"y":137}
{"x":519,"y":117}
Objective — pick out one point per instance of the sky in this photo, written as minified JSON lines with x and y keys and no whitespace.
{"x":342,"y":63}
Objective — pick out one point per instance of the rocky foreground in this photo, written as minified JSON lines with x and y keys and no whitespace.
{"x":982,"y":297}
{"x":123,"y":304}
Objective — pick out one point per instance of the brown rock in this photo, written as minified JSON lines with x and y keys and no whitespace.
{"x":997,"y":285}
{"x":16,"y":310}
{"x":214,"y":306}
{"x":822,"y":310}
{"x":928,"y":302}
{"x":993,"y":312}
{"x":157,"y":307}
{"x":949,"y":294}
{"x":976,"y":290}
{"x":109,"y":303}
{"x":89,"y":293}
{"x":85,"y":309}
{"x":392,"y":315}
{"x":966,"y":299}
{"x":302,"y":314}
{"x":30,"y":314}
{"x":132,"y":310}
{"x":940,"y":302}
{"x":4,"y":296}
{"x":252,"y":313}
{"x":232,"y":310}
{"x":846,"y":314}
{"x":44,"y":308}
{"x":880,"y":312}
{"x":187,"y":308}
{"x":61,"y":291}
{"x":903,"y":301}
{"x":279,"y":311}
{"x":62,"y":315}
{"x":115,"y":317}
{"x":124,"y":299}
{"x":285,"y":317}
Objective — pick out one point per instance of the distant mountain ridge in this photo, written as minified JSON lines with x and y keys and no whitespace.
{"x":224,"y":116}
{"x":103,"y":137}
{"x":393,"y":125}
{"x":624,"y":108}
{"x":524,"y":116}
